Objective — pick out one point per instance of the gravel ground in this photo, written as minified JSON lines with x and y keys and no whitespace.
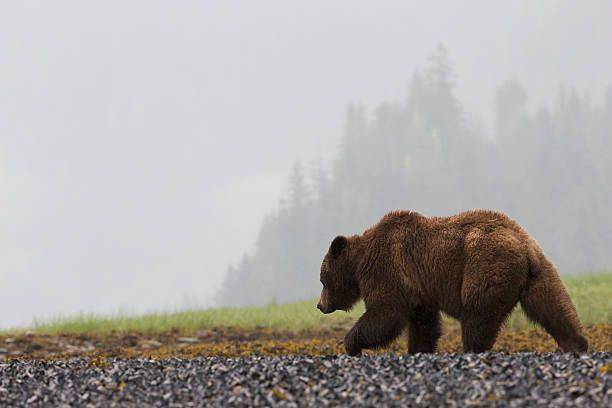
{"x":492,"y":379}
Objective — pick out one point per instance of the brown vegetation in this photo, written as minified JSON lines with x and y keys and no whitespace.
{"x":233,"y":342}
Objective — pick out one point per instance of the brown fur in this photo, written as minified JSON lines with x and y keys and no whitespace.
{"x":474,"y":266}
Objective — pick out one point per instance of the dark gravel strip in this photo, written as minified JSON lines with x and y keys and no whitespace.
{"x":491,"y":379}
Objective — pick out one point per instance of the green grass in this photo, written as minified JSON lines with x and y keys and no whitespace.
{"x":291,"y":316}
{"x":592,"y":295}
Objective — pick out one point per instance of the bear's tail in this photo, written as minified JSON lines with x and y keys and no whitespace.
{"x":546,"y":301}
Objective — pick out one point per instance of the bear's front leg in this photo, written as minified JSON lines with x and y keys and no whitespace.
{"x":376,"y":328}
{"x":351,"y":342}
{"x":423,"y":330}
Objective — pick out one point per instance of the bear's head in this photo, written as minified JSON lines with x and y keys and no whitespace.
{"x":340,"y":289}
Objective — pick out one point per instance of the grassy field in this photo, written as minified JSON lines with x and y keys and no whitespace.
{"x":592,"y":295}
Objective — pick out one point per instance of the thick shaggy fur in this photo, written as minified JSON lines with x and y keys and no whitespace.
{"x":474,"y":266}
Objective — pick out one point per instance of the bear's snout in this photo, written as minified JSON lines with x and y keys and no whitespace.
{"x":324,"y":309}
{"x":324,"y":305}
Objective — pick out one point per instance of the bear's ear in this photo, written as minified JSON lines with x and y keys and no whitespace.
{"x":337,"y":245}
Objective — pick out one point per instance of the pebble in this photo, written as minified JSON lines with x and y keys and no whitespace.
{"x":488,"y":379}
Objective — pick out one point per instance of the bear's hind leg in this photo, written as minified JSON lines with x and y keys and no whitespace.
{"x":491,"y":289}
{"x":482,"y":321}
{"x":546,"y":302}
{"x":478,"y":332}
{"x":423,"y":331}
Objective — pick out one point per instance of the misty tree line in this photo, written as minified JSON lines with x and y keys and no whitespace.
{"x":547,"y":169}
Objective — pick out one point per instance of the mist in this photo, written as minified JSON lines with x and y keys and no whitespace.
{"x":142,"y":143}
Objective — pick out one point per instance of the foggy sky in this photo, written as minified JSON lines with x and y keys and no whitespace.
{"x":141,"y":142}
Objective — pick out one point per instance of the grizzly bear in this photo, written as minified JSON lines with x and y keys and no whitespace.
{"x":474,"y":266}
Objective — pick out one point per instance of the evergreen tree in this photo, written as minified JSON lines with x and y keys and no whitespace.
{"x":548,"y":170}
{"x":441,"y":109}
